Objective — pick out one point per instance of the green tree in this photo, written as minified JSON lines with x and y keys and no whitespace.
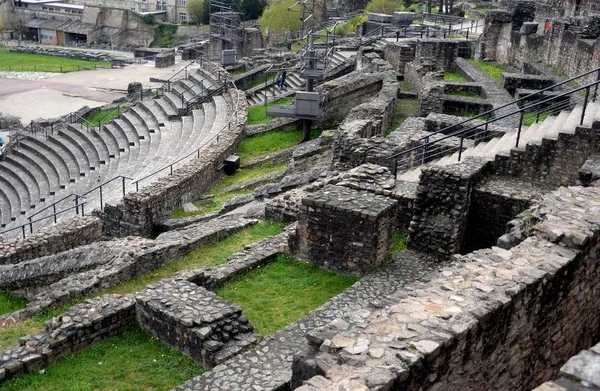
{"x":252,"y":9}
{"x":276,"y":18}
{"x":384,"y":6}
{"x":198,"y":11}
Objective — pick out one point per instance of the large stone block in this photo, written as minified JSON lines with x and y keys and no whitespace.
{"x":345,"y":230}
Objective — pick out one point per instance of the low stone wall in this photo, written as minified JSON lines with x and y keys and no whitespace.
{"x":195,"y":321}
{"x":553,"y":162}
{"x":494,"y":319}
{"x":514,"y":81}
{"x":248,"y":79}
{"x":164,"y":60}
{"x":64,"y":236}
{"x":81,"y":326}
{"x":77,"y":54}
{"x":462,"y":106}
{"x":138,"y":212}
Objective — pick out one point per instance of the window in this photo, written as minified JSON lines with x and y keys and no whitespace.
{"x":144,"y":10}
{"x":182,"y":16}
{"x":182,"y":3}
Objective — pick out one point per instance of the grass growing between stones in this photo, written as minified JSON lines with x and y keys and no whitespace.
{"x":454,"y":76}
{"x":27,"y":62}
{"x":494,"y":71}
{"x":265,"y":143}
{"x":279,"y":293}
{"x":220,"y":198}
{"x":11,"y":303}
{"x":404,"y":108}
{"x":213,"y":254}
{"x":133,"y":361}
{"x":258,"y":114}
{"x":465,"y":94}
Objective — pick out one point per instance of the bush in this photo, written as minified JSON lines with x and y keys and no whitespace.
{"x":166,"y":42}
{"x":183,"y":22}
{"x":148,"y":19}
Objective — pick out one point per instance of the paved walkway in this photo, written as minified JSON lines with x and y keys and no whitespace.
{"x":269,"y":365}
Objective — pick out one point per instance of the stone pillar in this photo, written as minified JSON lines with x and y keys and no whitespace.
{"x":441,"y":207}
{"x":345,"y":230}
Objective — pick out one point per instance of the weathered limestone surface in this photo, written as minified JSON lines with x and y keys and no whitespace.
{"x":197,"y":322}
{"x":268,"y":366}
{"x":493,"y":319}
{"x":79,"y":327}
{"x":53,"y":280}
{"x":344,"y":230}
{"x":64,"y":236}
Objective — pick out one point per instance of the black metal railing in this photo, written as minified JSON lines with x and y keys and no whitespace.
{"x":23,"y":227}
{"x":430,"y":149}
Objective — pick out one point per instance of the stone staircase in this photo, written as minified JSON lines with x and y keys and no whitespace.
{"x":149,"y":136}
{"x":550,"y":128}
{"x":259,"y":95}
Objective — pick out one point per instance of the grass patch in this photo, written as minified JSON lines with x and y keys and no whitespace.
{"x":455,"y":76}
{"x":464,"y":94}
{"x":493,"y":70}
{"x":265,"y":143}
{"x":220,"y":198}
{"x":213,"y":254}
{"x":404,"y":108}
{"x":258,"y":114}
{"x":11,"y":304}
{"x":399,"y":242}
{"x":27,"y":62}
{"x":263,"y":81}
{"x":105,"y":116}
{"x":530,"y":118}
{"x":132,"y":361}
{"x":279,"y":293}
{"x":468,"y":115}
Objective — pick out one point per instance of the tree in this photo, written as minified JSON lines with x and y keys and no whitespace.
{"x":276,"y":19}
{"x":252,"y":9}
{"x":384,"y":6}
{"x":198,"y":11}
{"x":18,"y":23}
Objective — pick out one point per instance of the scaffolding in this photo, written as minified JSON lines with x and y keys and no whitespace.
{"x":226,"y":27}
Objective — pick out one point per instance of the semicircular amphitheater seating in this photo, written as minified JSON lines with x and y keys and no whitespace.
{"x":149,"y":136}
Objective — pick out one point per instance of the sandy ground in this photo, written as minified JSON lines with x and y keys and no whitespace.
{"x":65,"y":93}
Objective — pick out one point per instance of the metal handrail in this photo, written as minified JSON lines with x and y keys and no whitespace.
{"x":520,"y":111}
{"x":31,"y":222}
{"x":107,"y":114}
{"x":80,"y":120}
{"x":515,"y":102}
{"x":54,"y":204}
{"x":197,"y":151}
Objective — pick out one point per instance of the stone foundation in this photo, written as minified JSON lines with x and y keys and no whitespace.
{"x":344,"y":230}
{"x":199,"y":323}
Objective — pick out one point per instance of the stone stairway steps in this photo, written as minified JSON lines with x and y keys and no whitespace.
{"x":294,"y":82}
{"x":19,"y":190}
{"x":31,"y":168}
{"x":550,"y":128}
{"x":27,"y":179}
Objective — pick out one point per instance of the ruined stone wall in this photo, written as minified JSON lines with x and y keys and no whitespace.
{"x":138,"y":212}
{"x":494,"y":319}
{"x":66,"y":235}
{"x":553,"y":162}
{"x":442,"y":205}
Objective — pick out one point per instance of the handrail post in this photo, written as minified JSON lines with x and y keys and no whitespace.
{"x":76,"y":204}
{"x":23,"y":229}
{"x":123,"y":184}
{"x":101,"y":203}
{"x":82,"y":210}
{"x":596,"y":87}
{"x":54,"y":211}
{"x":587,"y":95}
{"x":30,"y":225}
{"x":520,"y":127}
{"x":460,"y":147}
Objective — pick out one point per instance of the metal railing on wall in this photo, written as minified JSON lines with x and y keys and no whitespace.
{"x":434,"y":146}
{"x":99,"y":189}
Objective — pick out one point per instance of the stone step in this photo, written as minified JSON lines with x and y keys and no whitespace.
{"x":25,"y":177}
{"x":18,"y":192}
{"x":48,"y":181}
{"x":41,"y":152}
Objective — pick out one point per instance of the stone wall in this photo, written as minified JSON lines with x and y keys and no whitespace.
{"x":441,"y":208}
{"x":553,"y":162}
{"x":138,"y":212}
{"x":81,"y":326}
{"x":195,"y":321}
{"x":164,"y":60}
{"x":344,"y":230}
{"x":494,"y":319}
{"x":74,"y":232}
{"x":579,"y":373}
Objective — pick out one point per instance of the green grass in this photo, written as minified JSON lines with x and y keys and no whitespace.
{"x":262,"y":82}
{"x":220,"y":198}
{"x":529,"y":118}
{"x":279,"y":293}
{"x":105,"y":115}
{"x":404,"y":108}
{"x":454,"y":76}
{"x":265,"y":143}
{"x":11,"y":304}
{"x":464,"y":94}
{"x":399,"y":242}
{"x":44,"y":63}
{"x":212,"y":254}
{"x":258,"y":114}
{"x":493,"y":70}
{"x":134,"y":361}
{"x":468,"y":115}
